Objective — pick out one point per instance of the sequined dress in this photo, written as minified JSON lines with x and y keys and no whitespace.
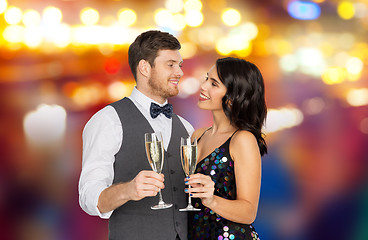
{"x":206,"y":224}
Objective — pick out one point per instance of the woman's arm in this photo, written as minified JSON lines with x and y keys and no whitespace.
{"x":247,"y":163}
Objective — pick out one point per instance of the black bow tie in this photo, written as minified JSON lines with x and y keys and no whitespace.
{"x":155,"y":110}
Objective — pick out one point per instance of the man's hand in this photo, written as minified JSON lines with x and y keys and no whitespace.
{"x":145,"y":184}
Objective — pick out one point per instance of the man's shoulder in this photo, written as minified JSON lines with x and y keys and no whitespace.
{"x":186,"y":124}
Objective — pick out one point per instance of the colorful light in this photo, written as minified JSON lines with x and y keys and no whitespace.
{"x":127,"y":17}
{"x":14,"y":34}
{"x":174,"y":6}
{"x":3,"y":6}
{"x":31,"y":18}
{"x":334,"y":75}
{"x":231,"y":17}
{"x":304,"y":10}
{"x":357,"y":97}
{"x":112,"y":66}
{"x":45,"y":125}
{"x":194,"y":18}
{"x":279,"y":119}
{"x":89,"y":16}
{"x":192,"y":5}
{"x":354,"y":65}
{"x":13,"y":15}
{"x":163,"y":17}
{"x":52,"y":16}
{"x":346,"y":10}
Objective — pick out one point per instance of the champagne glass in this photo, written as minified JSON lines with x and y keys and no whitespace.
{"x":155,"y":156}
{"x":188,"y":156}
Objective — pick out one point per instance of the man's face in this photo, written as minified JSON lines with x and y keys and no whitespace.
{"x":165,"y":74}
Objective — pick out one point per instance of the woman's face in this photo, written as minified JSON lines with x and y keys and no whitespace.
{"x":212,"y":92}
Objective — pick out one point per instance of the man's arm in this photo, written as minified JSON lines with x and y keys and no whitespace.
{"x":145,"y":184}
{"x":102,"y":138}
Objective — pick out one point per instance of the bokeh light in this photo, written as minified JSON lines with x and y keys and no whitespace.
{"x":89,"y":16}
{"x":127,"y":17}
{"x":231,"y":17}
{"x":304,"y":10}
{"x":52,"y":16}
{"x":13,"y":15}
{"x":194,"y":18}
{"x":3,"y":5}
{"x":45,"y":125}
{"x":31,"y":18}
{"x":346,"y":10}
{"x":357,"y":97}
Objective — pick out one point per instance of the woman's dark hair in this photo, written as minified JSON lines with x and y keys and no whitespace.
{"x":244,"y":102}
{"x":146,"y":46}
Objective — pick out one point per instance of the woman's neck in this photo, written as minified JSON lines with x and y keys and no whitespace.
{"x":221,"y":124}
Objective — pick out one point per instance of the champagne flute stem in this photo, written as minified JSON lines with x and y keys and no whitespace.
{"x":161,"y":201}
{"x":190,"y":198}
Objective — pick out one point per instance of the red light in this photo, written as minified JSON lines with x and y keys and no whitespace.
{"x":112,"y":66}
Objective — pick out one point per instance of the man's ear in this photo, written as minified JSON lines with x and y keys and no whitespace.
{"x":144,"y":68}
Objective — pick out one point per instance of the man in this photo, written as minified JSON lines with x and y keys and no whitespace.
{"x":116,"y":181}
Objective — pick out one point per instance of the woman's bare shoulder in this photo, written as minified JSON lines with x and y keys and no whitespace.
{"x":198,"y":132}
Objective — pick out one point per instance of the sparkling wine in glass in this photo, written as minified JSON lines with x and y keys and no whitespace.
{"x":155,"y":156}
{"x":188,"y":156}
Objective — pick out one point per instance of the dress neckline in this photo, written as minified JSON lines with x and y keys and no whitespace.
{"x":216,"y":147}
{"x":214,"y":150}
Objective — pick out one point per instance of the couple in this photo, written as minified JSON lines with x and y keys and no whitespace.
{"x":116,"y":181}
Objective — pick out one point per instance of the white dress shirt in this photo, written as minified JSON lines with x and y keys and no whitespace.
{"x":102,"y":139}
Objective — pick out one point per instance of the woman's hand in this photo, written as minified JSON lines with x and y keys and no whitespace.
{"x":202,"y":187}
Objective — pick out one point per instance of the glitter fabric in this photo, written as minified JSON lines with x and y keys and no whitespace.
{"x":206,"y":224}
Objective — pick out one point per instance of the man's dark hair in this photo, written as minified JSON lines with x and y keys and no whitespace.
{"x":146,"y":46}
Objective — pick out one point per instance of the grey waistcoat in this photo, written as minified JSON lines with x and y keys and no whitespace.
{"x":135,"y":219}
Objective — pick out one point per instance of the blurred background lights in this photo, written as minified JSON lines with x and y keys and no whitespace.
{"x":334,"y":75}
{"x":288,"y":63}
{"x":112,"y":66}
{"x":52,"y":16}
{"x":13,"y":15}
{"x":31,"y":18}
{"x":178,"y":22}
{"x":14,"y":34}
{"x":163,"y":17}
{"x":346,"y":10}
{"x":45,"y":125}
{"x":62,"y":36}
{"x":361,"y":10}
{"x":304,"y":10}
{"x":190,"y":5}
{"x":89,"y":16}
{"x":231,"y":17}
{"x":364,"y":126}
{"x":127,"y":17}
{"x":311,"y":61}
{"x":278,"y":119}
{"x":33,"y":37}
{"x":188,"y":86}
{"x":314,"y":105}
{"x":223,"y":47}
{"x":357,"y":97}
{"x":354,"y":65}
{"x":119,"y":88}
{"x":174,"y":6}
{"x":194,"y":18}
{"x":3,"y":6}
{"x":188,"y":50}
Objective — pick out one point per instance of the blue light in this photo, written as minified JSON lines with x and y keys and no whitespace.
{"x":304,"y":10}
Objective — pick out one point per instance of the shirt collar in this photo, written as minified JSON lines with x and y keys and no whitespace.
{"x":143,"y":100}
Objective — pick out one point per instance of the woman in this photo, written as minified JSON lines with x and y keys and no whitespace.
{"x":226,"y":185}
